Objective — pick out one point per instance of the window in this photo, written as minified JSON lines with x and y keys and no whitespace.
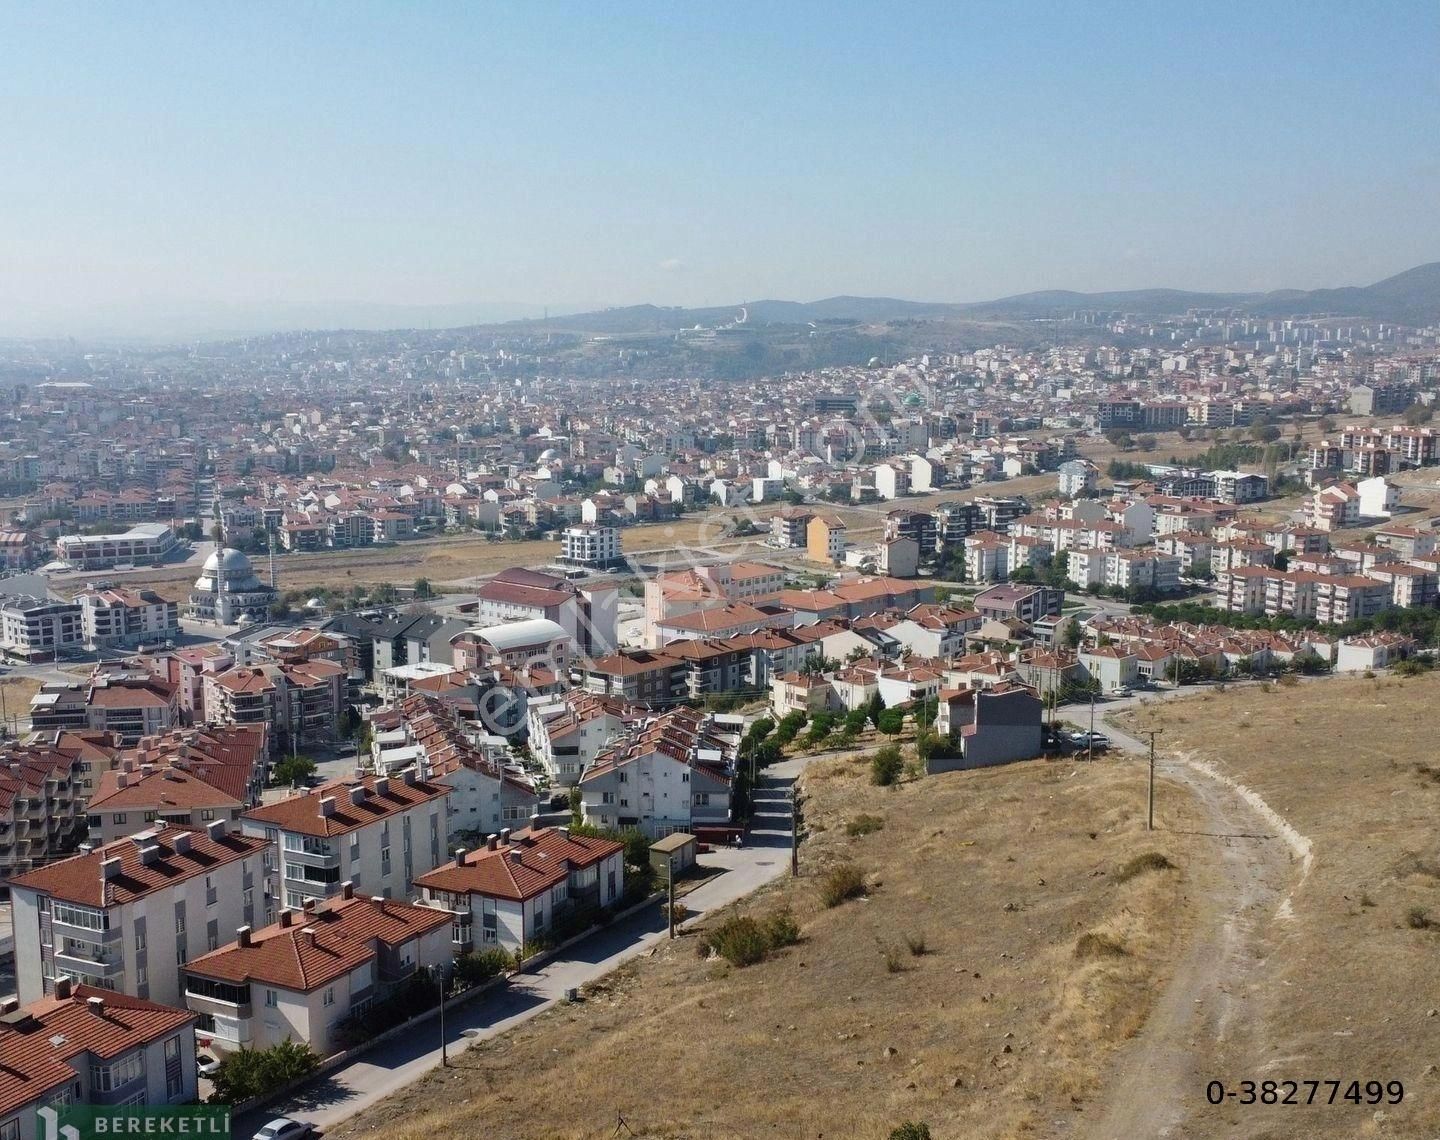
{"x":329,"y":998}
{"x":105,"y":1078}
{"x":139,"y":938}
{"x":180,"y":953}
{"x":118,"y":817}
{"x":607,"y":797}
{"x":272,"y":999}
{"x":172,"y":1049}
{"x":702,"y":799}
{"x":142,"y":976}
{"x":207,"y":813}
{"x":84,"y":916}
{"x":10,"y":1130}
{"x":179,"y":922}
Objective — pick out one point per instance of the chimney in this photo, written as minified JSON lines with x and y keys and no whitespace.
{"x":147,"y":769}
{"x":242,"y":936}
{"x":287,"y":918}
{"x":327,"y":806}
{"x":308,"y":906}
{"x":357,"y":795}
{"x":87,"y":848}
{"x":122,"y":780}
{"x":182,"y":843}
{"x":171,"y":774}
{"x":10,"y":1005}
{"x":216,"y":829}
{"x":96,"y":1005}
{"x":491,"y":841}
{"x":150,"y":854}
{"x":409,"y":777}
{"x":347,"y":889}
{"x":460,"y":857}
{"x":382,"y":786}
{"x":535,"y":822}
{"x":62,"y":986}
{"x":109,"y":869}
{"x":308,"y":934}
{"x":515,"y":855}
{"x":359,"y":772}
{"x":504,"y":837}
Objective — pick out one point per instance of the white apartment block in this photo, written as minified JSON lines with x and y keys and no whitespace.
{"x":377,"y":833}
{"x":129,"y":914}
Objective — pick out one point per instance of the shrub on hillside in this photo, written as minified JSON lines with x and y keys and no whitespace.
{"x":886,"y":766}
{"x":1141,"y":864}
{"x":841,"y":883}
{"x":863,"y":824}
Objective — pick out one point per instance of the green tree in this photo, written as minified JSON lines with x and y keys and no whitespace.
{"x":293,"y":770}
{"x":1072,"y":633}
{"x":875,"y":707}
{"x":423,"y":589}
{"x":818,"y":663}
{"x":247,"y":1072}
{"x":891,"y":722}
{"x":886,"y":766}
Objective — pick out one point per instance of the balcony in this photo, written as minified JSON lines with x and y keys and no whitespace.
{"x":90,"y":960}
{"x":84,"y":933}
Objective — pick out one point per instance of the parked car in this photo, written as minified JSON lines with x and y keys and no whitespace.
{"x":283,"y":1128}
{"x":1120,"y":691}
{"x":206,"y":1064}
{"x":1086,"y":739}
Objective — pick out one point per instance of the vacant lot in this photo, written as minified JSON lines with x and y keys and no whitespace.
{"x":980,"y":986}
{"x":1347,"y":991}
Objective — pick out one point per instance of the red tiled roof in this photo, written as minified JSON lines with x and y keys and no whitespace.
{"x":321,"y":945}
{"x":35,"y":1052}
{"x":302,"y":813}
{"x":530,"y":864}
{"x":78,"y":879}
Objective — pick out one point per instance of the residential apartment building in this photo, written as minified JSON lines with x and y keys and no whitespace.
{"x":669,"y":774}
{"x":127,"y":915}
{"x":37,"y":629}
{"x":300,"y":703}
{"x":591,"y":547}
{"x":112,"y":616}
{"x":305,"y":975}
{"x":512,"y":891}
{"x":87,"y":1045}
{"x":375,"y":832}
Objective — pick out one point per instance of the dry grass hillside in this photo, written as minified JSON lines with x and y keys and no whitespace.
{"x":1003,"y":950}
{"x":1348,"y":990}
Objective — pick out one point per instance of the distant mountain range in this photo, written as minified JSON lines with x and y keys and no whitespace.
{"x":1411,"y":298}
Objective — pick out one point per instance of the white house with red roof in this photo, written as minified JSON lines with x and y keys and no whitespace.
{"x":85,"y":1045}
{"x":513,"y":889}
{"x":302,"y":976}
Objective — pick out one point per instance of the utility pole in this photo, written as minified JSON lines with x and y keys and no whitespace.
{"x":670,"y":891}
{"x":1091,"y":739}
{"x":444,"y":1051}
{"x":794,"y":837}
{"x":1150,"y":794}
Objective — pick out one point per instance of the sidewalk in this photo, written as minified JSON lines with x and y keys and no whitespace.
{"x":406,"y":1058}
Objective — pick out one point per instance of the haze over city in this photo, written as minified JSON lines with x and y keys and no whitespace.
{"x":719,"y":573}
{"x":208,"y":167}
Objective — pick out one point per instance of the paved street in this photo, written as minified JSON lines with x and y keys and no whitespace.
{"x":403,"y":1059}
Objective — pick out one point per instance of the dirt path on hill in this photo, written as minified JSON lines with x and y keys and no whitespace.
{"x":1244,"y":863}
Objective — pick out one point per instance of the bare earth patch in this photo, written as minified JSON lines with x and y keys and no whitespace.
{"x":978,"y":986}
{"x":1345,"y":988}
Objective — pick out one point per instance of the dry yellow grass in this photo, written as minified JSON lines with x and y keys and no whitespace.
{"x":1348,"y":990}
{"x":1001,"y":1026}
{"x":18,"y":691}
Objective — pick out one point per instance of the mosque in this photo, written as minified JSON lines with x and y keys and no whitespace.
{"x":229,"y":592}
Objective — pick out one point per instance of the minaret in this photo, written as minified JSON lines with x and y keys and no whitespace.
{"x":272,"y":560}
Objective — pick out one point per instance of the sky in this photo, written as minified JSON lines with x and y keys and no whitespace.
{"x":170,"y":166}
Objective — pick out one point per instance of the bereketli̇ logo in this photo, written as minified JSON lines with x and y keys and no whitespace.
{"x":92,"y":1122}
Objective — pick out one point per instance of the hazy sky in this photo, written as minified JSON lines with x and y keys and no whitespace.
{"x":160,"y":161}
